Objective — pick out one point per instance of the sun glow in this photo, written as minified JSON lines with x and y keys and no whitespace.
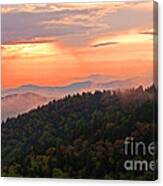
{"x":64,"y":44}
{"x":30,"y":50}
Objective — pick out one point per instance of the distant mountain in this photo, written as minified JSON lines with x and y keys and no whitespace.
{"x":117,"y":84}
{"x":49,"y":91}
{"x":19,"y":100}
{"x":96,"y":78}
{"x":113,"y":82}
{"x":15,"y":104}
{"x":91,"y":83}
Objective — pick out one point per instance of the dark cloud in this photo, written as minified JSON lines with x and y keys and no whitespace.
{"x":104,"y":44}
{"x":148,"y":33}
{"x":39,"y":41}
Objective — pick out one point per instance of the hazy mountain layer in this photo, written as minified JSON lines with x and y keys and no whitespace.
{"x":15,"y":104}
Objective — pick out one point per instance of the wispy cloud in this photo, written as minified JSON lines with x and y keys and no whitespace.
{"x":37,"y":40}
{"x":104,"y":44}
{"x":148,"y":33}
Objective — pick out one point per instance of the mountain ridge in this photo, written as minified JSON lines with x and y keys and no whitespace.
{"x":80,"y":136}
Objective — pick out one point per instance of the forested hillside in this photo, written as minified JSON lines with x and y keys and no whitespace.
{"x":80,"y":136}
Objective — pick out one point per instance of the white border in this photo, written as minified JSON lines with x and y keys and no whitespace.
{"x":60,"y":1}
{"x":69,"y":182}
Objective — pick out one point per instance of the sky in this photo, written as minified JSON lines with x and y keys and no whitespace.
{"x":53,"y":44}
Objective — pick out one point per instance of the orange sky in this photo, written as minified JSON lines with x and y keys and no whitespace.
{"x":76,"y":40}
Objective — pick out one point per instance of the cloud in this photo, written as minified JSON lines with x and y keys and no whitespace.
{"x":38,"y":40}
{"x":72,"y":23}
{"x":104,"y":44}
{"x":38,"y":8}
{"x":26,"y":26}
{"x":126,"y":19}
{"x":148,"y":33}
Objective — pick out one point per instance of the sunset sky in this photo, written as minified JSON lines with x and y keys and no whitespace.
{"x":54,"y":44}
